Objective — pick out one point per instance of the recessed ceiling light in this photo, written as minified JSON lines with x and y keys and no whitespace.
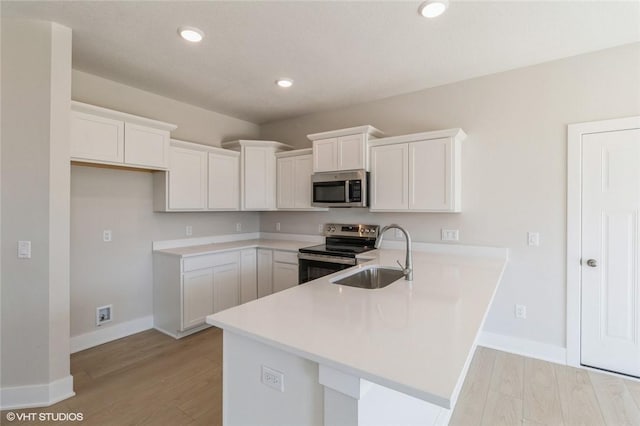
{"x":433,"y":8}
{"x":284,"y":82}
{"x":191,"y":34}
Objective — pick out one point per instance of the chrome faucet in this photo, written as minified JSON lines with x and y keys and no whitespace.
{"x":407,"y":269}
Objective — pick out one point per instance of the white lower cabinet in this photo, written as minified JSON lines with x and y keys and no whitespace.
{"x":197,"y":297}
{"x":277,"y":271}
{"x":285,"y":275}
{"x":248,"y":275}
{"x":226,"y":286}
{"x":265,"y":272}
{"x":186,"y":290}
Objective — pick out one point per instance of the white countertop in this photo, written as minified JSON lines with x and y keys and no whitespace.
{"x":285,"y":245}
{"x":417,"y":338}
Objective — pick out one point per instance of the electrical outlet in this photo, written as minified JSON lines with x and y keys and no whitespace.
{"x":320,"y":228}
{"x":106,"y":235}
{"x":104,"y":314}
{"x":449,"y":234}
{"x":521,"y":311}
{"x":533,"y":239}
{"x":189,"y":230}
{"x":238,"y":227}
{"x":278,"y":226}
{"x":272,"y":378}
{"x":399,"y":234}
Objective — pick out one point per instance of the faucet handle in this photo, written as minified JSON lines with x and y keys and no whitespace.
{"x":404,"y":269}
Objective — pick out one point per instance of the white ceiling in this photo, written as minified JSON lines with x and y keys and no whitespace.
{"x":338,"y":52}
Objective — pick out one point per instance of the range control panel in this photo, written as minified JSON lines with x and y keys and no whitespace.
{"x":346,"y":230}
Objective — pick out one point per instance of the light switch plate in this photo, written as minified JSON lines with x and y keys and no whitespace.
{"x":24,"y":249}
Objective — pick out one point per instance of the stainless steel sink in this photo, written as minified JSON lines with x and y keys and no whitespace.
{"x":372,"y":277}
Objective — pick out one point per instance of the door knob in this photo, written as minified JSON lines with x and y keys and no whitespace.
{"x":592,"y":262}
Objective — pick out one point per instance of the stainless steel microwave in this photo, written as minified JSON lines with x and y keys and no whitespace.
{"x":340,"y":189}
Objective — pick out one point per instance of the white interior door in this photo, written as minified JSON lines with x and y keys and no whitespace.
{"x":610,"y":296}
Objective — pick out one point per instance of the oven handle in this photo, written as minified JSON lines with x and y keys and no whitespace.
{"x":328,"y":259}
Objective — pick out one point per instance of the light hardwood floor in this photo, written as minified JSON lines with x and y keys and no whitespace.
{"x":152,"y":379}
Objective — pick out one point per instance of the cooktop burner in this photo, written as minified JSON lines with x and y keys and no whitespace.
{"x":341,"y":250}
{"x":345,"y":240}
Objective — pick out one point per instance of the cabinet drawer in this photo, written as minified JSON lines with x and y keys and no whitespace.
{"x":208,"y":261}
{"x":285,"y":257}
{"x":198,"y":262}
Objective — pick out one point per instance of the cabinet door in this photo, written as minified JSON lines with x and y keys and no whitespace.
{"x":265,"y":272}
{"x":325,"y":155}
{"x":187,"y":179}
{"x":302,"y":181}
{"x":259,"y":171}
{"x":197,"y":297}
{"x":286,"y":179}
{"x":248,"y":275}
{"x":430,"y":175}
{"x":389,"y":177}
{"x":285,"y":275}
{"x":96,"y":138}
{"x":145,"y":146}
{"x":224,"y":182}
{"x":226,"y":283}
{"x":351,"y":152}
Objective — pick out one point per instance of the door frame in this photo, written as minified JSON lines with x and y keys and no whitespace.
{"x":574,"y":222}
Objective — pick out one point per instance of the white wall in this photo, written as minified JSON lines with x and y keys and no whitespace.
{"x":514,"y":168}
{"x":36,"y":83}
{"x":120,"y":272}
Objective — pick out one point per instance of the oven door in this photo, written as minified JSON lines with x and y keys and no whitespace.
{"x":313,"y":266}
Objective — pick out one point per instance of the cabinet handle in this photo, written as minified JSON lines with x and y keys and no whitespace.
{"x":592,"y":263}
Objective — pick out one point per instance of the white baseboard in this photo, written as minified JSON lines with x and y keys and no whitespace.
{"x":525,"y":347}
{"x":108,"y":333}
{"x":36,"y":395}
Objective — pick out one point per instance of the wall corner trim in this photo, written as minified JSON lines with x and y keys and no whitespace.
{"x":36,"y":395}
{"x":107,"y":334}
{"x":524,"y":347}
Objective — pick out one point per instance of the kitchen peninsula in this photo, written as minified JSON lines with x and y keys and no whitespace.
{"x":322,"y":353}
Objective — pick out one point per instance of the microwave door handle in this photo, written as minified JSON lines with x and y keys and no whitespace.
{"x":346,"y":191}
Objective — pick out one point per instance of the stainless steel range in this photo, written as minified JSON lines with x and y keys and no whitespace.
{"x":343,"y":243}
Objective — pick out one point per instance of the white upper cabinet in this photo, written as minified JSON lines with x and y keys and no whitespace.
{"x":325,"y":155}
{"x":344,"y":149}
{"x":200,"y":178}
{"x":352,"y":152}
{"x":389,"y":183}
{"x":104,"y":136}
{"x":96,"y":138}
{"x":224,"y":180}
{"x":146,"y":146}
{"x":419,"y":172}
{"x":257,"y":172}
{"x":294,"y":169}
{"x":187,"y":179}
